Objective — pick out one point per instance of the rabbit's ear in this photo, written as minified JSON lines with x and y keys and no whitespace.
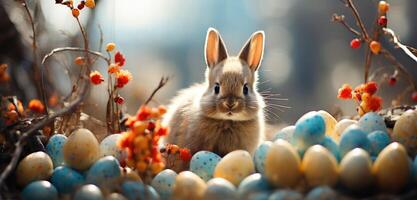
{"x":253,"y":50}
{"x":215,"y":50}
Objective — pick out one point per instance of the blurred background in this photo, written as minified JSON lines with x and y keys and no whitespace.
{"x":307,"y":57}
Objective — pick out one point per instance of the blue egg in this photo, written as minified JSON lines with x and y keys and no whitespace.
{"x":219,"y":188}
{"x":285,"y":134}
{"x":88,"y":192}
{"x":108,"y":147}
{"x":39,"y":190}
{"x":353,"y":137}
{"x":414,"y":171}
{"x":286,"y":195}
{"x":254,"y":183}
{"x":103,"y":170}
{"x":163,"y":183}
{"x":260,"y":156}
{"x":371,"y":122}
{"x":321,"y":193}
{"x":332,"y":146}
{"x":258,"y":196}
{"x":54,"y":149}
{"x":203,"y":164}
{"x":309,"y":130}
{"x":66,"y":180}
{"x":133,"y":190}
{"x":379,"y":140}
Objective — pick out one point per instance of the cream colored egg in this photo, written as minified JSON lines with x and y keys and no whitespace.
{"x":35,"y":166}
{"x":355,"y":171}
{"x":330,"y":123}
{"x":405,"y":131}
{"x":235,"y":166}
{"x":81,"y":149}
{"x":188,"y":186}
{"x":282,"y":164}
{"x":319,"y":167}
{"x":392,"y":168}
{"x":340,"y":127}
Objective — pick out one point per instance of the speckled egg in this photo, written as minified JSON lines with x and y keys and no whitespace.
{"x":163,"y":183}
{"x":332,"y":146}
{"x":340,"y":128}
{"x":353,"y":137}
{"x":260,"y":155}
{"x":286,"y":195}
{"x":134,"y":190}
{"x":81,"y":149}
{"x":203,"y":164}
{"x":355,"y":170}
{"x":183,"y":184}
{"x":258,"y":196}
{"x":405,"y":131}
{"x":319,"y":167}
{"x":108,"y":147}
{"x":104,"y":170}
{"x":379,"y":140}
{"x":282,"y":165}
{"x":235,"y":166}
{"x":391,"y":168}
{"x":39,"y":190}
{"x":54,"y":148}
{"x":254,"y":183}
{"x":371,"y":122}
{"x":330,"y":122}
{"x":35,"y":166}
{"x":66,"y":180}
{"x":285,"y":134}
{"x":309,"y":130}
{"x":322,"y":193}
{"x":219,"y":188}
{"x":115,"y":196}
{"x":88,"y":192}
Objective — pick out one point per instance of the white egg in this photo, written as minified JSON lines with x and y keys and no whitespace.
{"x":340,"y":128}
{"x":356,"y":170}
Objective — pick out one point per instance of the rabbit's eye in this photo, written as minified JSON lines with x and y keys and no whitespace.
{"x":245,"y":89}
{"x":217,"y":88}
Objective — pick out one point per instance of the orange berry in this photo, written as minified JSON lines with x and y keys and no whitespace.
{"x":365,"y":97}
{"x":79,"y":60}
{"x":113,"y":68}
{"x":90,"y":3}
{"x":36,"y":105}
{"x":162,"y":109}
{"x":375,"y":47}
{"x":96,"y":77}
{"x":141,"y":166}
{"x":383,"y":7}
{"x":371,"y":87}
{"x":75,"y":12}
{"x":139,"y":127}
{"x":122,"y":78}
{"x":110,"y":46}
{"x":157,"y":167}
{"x":345,"y":92}
{"x":143,"y":113}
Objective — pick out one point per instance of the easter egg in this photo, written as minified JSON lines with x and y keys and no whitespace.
{"x":309,"y":130}
{"x":254,"y":183}
{"x":88,"y":192}
{"x":332,"y":146}
{"x":285,"y":134}
{"x":405,"y":131}
{"x":258,"y":196}
{"x":355,"y":170}
{"x":115,"y":196}
{"x":353,"y":137}
{"x":371,"y":122}
{"x":330,"y":122}
{"x":188,"y":186}
{"x":260,"y":155}
{"x":219,"y":188}
{"x":81,"y":149}
{"x":163,"y":183}
{"x":321,"y":193}
{"x":66,"y":180}
{"x":105,"y":169}
{"x":39,"y":190}
{"x":203,"y":164}
{"x":282,"y":165}
{"x":414,"y":171}
{"x":54,"y":149}
{"x":319,"y":167}
{"x":35,"y":166}
{"x":108,"y":147}
{"x":235,"y":166}
{"x":379,"y":140}
{"x":134,"y":190}
{"x":286,"y":195}
{"x":340,"y":128}
{"x":391,"y":168}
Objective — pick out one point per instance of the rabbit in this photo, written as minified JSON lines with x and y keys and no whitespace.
{"x":226,"y":112}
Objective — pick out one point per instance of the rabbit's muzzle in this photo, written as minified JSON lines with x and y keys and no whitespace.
{"x":231,"y":105}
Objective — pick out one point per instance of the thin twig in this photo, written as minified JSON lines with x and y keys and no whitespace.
{"x":341,"y":19}
{"x":161,"y":84}
{"x":358,"y":19}
{"x":74,"y":49}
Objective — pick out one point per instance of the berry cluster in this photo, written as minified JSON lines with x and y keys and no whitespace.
{"x":76,"y":10}
{"x":364,"y":94}
{"x":11,"y":112}
{"x":173,"y":149}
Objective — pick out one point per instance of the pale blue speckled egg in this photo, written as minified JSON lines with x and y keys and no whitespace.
{"x":309,"y":130}
{"x":66,"y":180}
{"x":108,"y":147}
{"x":133,"y":190}
{"x":219,"y":188}
{"x":371,"y":122}
{"x":353,"y":137}
{"x":260,"y":156}
{"x":163,"y":183}
{"x":379,"y":140}
{"x":203,"y":164}
{"x":285,"y":134}
{"x":88,"y":192}
{"x":321,"y":193}
{"x":54,"y":149}
{"x":332,"y":146}
{"x":255,"y":183}
{"x":39,"y":190}
{"x":286,"y":194}
{"x":104,"y":169}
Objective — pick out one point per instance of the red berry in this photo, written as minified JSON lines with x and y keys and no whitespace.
{"x":382,"y":21}
{"x":185,"y":155}
{"x":345,"y":92}
{"x":392,"y":80}
{"x":370,"y":87}
{"x":80,"y":6}
{"x":355,"y":43}
{"x":119,"y":100}
{"x":414,"y":96}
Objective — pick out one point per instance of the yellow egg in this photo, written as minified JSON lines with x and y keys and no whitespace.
{"x":340,"y":127}
{"x":355,"y":170}
{"x":392,"y":168}
{"x":35,"y":166}
{"x":235,"y":166}
{"x":405,"y":131}
{"x":319,"y":167}
{"x":282,"y":164}
{"x":330,"y":123}
{"x":188,"y":186}
{"x":81,"y":149}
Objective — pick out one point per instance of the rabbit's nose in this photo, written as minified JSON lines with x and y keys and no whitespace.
{"x":230,"y":104}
